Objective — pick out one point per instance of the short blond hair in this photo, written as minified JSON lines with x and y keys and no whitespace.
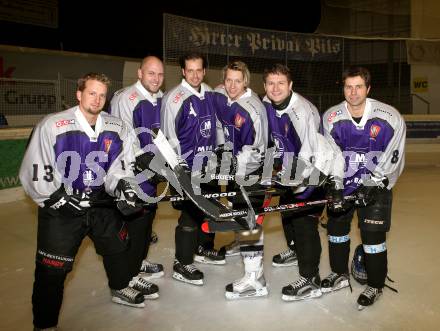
{"x":238,"y":66}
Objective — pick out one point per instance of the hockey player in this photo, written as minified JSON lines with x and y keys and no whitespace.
{"x":294,"y":131}
{"x":139,"y":106}
{"x":244,"y":123}
{"x":74,"y":157}
{"x":188,"y":121}
{"x":371,"y":135}
{"x":288,"y":257}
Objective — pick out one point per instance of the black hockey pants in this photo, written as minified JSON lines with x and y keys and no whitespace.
{"x":58,"y":240}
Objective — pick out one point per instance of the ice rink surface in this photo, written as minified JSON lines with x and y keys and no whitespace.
{"x":414,"y":265}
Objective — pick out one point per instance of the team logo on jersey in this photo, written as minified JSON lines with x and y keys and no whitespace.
{"x":107,"y":144}
{"x":239,"y":121}
{"x":61,"y":123}
{"x":357,"y":160}
{"x":332,"y":115}
{"x":133,"y":96}
{"x":374,"y":131}
{"x":178,"y":96}
{"x":279,"y":146}
{"x":205,"y":129}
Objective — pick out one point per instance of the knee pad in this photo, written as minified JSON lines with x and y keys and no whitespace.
{"x":377,"y":217}
{"x":337,"y":228}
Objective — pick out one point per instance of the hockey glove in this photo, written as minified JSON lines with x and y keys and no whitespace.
{"x":68,"y":205}
{"x":334,"y":195}
{"x":184,"y":165}
{"x":366,"y":193}
{"x":143,"y":162}
{"x":128,"y":201}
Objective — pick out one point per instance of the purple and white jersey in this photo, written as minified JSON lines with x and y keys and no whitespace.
{"x":294,"y":130}
{"x":245,"y":128}
{"x":188,"y":120}
{"x":375,"y":145}
{"x":141,"y":110}
{"x":65,"y":149}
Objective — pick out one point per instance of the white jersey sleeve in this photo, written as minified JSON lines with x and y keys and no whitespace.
{"x":123,"y":166}
{"x":315,"y":149}
{"x":122,"y":106}
{"x":39,"y":161}
{"x":392,"y":161}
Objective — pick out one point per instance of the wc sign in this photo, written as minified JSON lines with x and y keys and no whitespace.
{"x":420,"y":85}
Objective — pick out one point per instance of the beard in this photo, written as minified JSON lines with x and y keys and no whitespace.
{"x":94,"y":110}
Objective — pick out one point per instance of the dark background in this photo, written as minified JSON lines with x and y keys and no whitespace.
{"x":134,"y":29}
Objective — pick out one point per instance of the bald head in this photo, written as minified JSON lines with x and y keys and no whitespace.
{"x":151,"y":74}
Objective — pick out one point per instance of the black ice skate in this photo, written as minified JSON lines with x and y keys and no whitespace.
{"x":369,"y":296}
{"x":209,"y":256}
{"x":187,"y":273}
{"x":334,"y":282}
{"x":150,"y":270}
{"x":147,"y":289}
{"x":303,"y":288}
{"x":285,"y":259}
{"x":128,"y":296}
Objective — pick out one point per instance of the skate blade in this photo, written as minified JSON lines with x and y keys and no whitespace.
{"x":312,"y":295}
{"x":125,"y":303}
{"x":360,"y":307}
{"x":201,"y":259}
{"x":155,"y":275}
{"x":153,"y":296}
{"x":247,"y":295}
{"x":280,"y":265}
{"x":198,"y":282}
